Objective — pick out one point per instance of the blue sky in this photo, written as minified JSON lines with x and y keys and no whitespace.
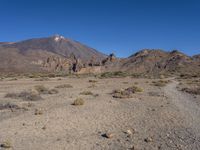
{"x":119,"y":26}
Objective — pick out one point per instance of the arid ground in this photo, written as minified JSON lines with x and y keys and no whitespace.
{"x":157,"y":117}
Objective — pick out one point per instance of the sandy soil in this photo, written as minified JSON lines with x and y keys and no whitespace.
{"x":158,"y":118}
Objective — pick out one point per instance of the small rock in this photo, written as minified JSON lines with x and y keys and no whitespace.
{"x":148,"y":139}
{"x":132,"y":148}
{"x":129,"y":132}
{"x":108,"y":135}
{"x":44,"y":128}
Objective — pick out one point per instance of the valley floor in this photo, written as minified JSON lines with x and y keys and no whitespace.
{"x":157,"y":118}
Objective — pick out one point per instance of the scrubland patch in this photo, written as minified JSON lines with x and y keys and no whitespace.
{"x":86,"y":93}
{"x":41,"y":89}
{"x":93,"y":81}
{"x":25,"y":95}
{"x":62,"y":86}
{"x":160,"y":83}
{"x":126,"y":93}
{"x":78,"y":101}
{"x":117,"y":74}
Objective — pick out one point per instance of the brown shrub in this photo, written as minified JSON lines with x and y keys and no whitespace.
{"x":25,"y":95}
{"x":86,"y":93}
{"x":93,"y":81}
{"x":64,"y":86}
{"x":41,"y":89}
{"x":126,"y":93}
{"x":78,"y":101}
{"x":160,"y":83}
{"x":194,"y":90}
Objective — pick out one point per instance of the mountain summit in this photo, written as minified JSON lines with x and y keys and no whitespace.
{"x":28,"y":55}
{"x":58,"y":45}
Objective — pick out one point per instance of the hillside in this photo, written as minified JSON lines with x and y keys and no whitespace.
{"x":155,"y":61}
{"x":30,"y":55}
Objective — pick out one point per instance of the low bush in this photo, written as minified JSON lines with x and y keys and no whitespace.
{"x":86,"y":93}
{"x":116,"y":74}
{"x":126,"y":93}
{"x":160,"y":83}
{"x":78,"y":101}
{"x":64,"y":86}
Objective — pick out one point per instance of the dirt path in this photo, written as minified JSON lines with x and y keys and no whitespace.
{"x":186,"y":105}
{"x":190,"y":112}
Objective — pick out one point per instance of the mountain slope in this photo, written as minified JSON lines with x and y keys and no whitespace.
{"x":58,"y":45}
{"x":155,"y":61}
{"x":30,"y":55}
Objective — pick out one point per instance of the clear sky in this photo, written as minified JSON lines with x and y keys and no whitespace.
{"x":119,"y":26}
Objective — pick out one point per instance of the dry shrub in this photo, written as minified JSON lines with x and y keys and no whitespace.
{"x":117,"y":74}
{"x":134,"y":89}
{"x":25,"y":95}
{"x":38,"y":111}
{"x":52,"y":91}
{"x":9,"y":106}
{"x":121,"y":94}
{"x":6,"y":144}
{"x":41,"y":89}
{"x":160,"y":83}
{"x":92,"y":86}
{"x":42,"y":79}
{"x":86,"y":93}
{"x":93,"y":81}
{"x":78,"y":101}
{"x":126,"y":93}
{"x":194,"y":90}
{"x":64,"y":86}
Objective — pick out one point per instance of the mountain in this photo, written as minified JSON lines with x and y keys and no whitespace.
{"x":30,"y":55}
{"x":156,"y":61}
{"x":56,"y":53}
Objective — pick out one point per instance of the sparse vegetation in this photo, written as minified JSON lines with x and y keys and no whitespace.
{"x":92,"y":86}
{"x":86,"y":93}
{"x":78,"y":101}
{"x":38,"y":111}
{"x":160,"y":83}
{"x":52,"y":91}
{"x":93,"y":81}
{"x":64,"y":86}
{"x":117,"y":74}
{"x":9,"y":106}
{"x":126,"y":93}
{"x":134,"y":89}
{"x":192,"y":90}
{"x":25,"y":95}
{"x":6,"y":144}
{"x":42,"y":79}
{"x":41,"y":89}
{"x":13,"y":79}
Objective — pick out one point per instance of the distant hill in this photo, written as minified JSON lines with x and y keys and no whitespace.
{"x":155,"y":61}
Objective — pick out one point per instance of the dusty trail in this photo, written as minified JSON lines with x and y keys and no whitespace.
{"x":186,"y":105}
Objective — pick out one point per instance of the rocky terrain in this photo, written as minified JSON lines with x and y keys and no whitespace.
{"x":98,"y":113}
